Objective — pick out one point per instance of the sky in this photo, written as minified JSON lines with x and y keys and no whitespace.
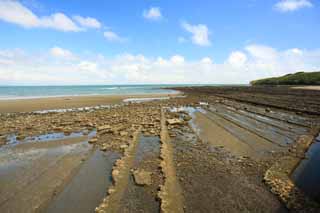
{"x":78,"y":42}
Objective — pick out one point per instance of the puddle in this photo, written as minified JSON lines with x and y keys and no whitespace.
{"x":141,"y":100}
{"x":88,"y":187}
{"x":24,"y":174}
{"x":11,"y":157}
{"x":184,"y":136}
{"x":143,"y":198}
{"x":148,"y":146}
{"x":52,"y":146}
{"x":12,"y":139}
{"x":191,"y":112}
{"x":33,"y":170}
{"x":307,"y":175}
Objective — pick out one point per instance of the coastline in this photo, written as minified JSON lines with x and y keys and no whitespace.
{"x":229,"y":135}
{"x":67,"y":102}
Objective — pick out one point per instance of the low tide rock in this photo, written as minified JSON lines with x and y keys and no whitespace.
{"x":123,"y":133}
{"x":21,"y":137}
{"x":93,"y":140}
{"x":104,"y":147}
{"x":187,"y":118}
{"x":104,"y":127}
{"x":124,"y":146}
{"x":142,"y":177}
{"x":174,"y":121}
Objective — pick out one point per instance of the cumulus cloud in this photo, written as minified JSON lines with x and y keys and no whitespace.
{"x":237,"y":59}
{"x":59,"y":52}
{"x":153,"y":14}
{"x":262,"y":52}
{"x":177,"y":59}
{"x":292,"y":5}
{"x":87,"y":22}
{"x":14,"y":12}
{"x":206,"y":60}
{"x":241,"y":66}
{"x":113,"y":37}
{"x":58,"y":21}
{"x":87,"y":66}
{"x":200,"y":33}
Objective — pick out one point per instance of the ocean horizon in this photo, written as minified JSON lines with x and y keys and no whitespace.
{"x":29,"y":92}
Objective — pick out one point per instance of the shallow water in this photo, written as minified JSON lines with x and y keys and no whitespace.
{"x":143,"y":198}
{"x":27,"y":173}
{"x":307,"y":175}
{"x":191,"y":112}
{"x":11,"y":158}
{"x":88,"y":187}
{"x":141,"y":100}
{"x":12,"y":139}
{"x":148,"y":145}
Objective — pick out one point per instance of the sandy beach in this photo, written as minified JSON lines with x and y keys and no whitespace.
{"x":35,"y":104}
{"x":242,"y":147}
{"x":307,"y":87}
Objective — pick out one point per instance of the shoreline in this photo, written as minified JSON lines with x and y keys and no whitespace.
{"x":68,"y":102}
{"x":7,"y":98}
{"x":234,"y":139}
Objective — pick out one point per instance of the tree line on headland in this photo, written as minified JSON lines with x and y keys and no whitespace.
{"x":299,"y":78}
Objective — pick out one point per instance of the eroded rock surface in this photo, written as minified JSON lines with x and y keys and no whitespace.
{"x":142,"y":178}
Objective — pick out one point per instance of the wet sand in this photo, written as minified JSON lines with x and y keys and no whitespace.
{"x":224,"y":136}
{"x":28,"y":105}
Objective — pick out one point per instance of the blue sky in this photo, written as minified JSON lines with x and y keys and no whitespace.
{"x":177,"y":41}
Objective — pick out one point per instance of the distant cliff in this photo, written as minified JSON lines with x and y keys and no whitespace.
{"x":299,"y":78}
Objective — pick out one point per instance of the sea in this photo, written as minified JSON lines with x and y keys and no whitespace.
{"x":29,"y":92}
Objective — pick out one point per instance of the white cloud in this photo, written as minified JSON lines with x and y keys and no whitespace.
{"x":241,"y":66}
{"x":87,"y":66}
{"x":237,"y":59}
{"x":200,"y":33}
{"x":14,"y":12}
{"x":58,"y":21}
{"x":206,"y":60}
{"x":153,"y":14}
{"x":262,"y":52}
{"x":87,"y":22}
{"x":59,"y":52}
{"x":113,"y":37}
{"x":292,"y":5}
{"x":177,"y":59}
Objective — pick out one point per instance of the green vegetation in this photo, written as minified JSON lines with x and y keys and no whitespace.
{"x":299,"y":78}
